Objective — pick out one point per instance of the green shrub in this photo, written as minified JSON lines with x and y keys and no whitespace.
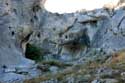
{"x":34,"y":52}
{"x":55,"y":63}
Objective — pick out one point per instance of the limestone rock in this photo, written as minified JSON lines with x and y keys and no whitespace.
{"x":13,"y":14}
{"x":74,"y":35}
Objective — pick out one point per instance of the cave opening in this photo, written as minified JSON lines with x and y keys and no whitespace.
{"x":33,"y":52}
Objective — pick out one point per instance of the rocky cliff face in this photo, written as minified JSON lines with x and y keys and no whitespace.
{"x":73,"y":38}
{"x":15,"y":25}
{"x":75,"y":33}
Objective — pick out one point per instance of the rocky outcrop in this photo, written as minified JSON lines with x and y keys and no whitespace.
{"x":15,"y":16}
{"x":71,"y":34}
{"x":71,"y":38}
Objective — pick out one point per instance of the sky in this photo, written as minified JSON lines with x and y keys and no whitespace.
{"x":68,"y":6}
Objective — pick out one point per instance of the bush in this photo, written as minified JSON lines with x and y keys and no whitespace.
{"x":34,"y":52}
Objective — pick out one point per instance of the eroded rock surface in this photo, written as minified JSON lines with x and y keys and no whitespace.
{"x":73,"y":37}
{"x":14,"y":16}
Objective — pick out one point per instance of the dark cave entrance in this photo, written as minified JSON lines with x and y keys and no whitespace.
{"x":33,"y":52}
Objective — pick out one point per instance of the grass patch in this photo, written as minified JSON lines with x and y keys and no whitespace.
{"x":74,"y":71}
{"x":55,"y":63}
{"x":117,"y":61}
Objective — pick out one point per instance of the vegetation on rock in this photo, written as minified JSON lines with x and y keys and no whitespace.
{"x":34,"y":52}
